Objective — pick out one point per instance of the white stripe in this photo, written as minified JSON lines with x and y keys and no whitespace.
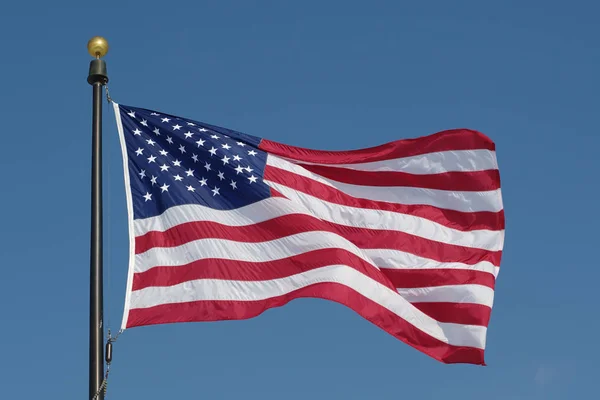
{"x":213,"y":289}
{"x":130,"y":228}
{"x":253,"y":252}
{"x":465,"y":294}
{"x":430,"y":163}
{"x":287,"y":247}
{"x":396,"y":259}
{"x":300,"y":203}
{"x":452,"y":200}
{"x":254,"y":213}
{"x":382,"y":219}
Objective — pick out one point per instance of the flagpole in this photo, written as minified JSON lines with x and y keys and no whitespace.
{"x":97,"y":77}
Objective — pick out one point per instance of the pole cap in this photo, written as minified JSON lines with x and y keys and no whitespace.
{"x":97,"y":47}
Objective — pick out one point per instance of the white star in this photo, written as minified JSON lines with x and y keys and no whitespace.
{"x":155,"y":114}
{"x":157,"y":132}
{"x":151,"y":142}
{"x":248,"y":169}
{"x":182,"y":149}
{"x":233,"y":184}
{"x":236,"y":158}
{"x":188,"y":134}
{"x":177,"y":163}
{"x":203,"y":182}
{"x":153,"y":180}
{"x":252,"y":179}
{"x":239,"y":169}
{"x":163,"y":153}
{"x":213,"y":151}
{"x":142,"y":173}
{"x":177,"y":177}
{"x":191,"y":188}
{"x":252,"y":153}
{"x":225,"y":160}
{"x":164,"y":167}
{"x":151,"y":159}
{"x":215,"y":191}
{"x":207,"y":166}
{"x":147,"y":197}
{"x":169,"y":140}
{"x":137,"y":132}
{"x":241,"y":144}
{"x":190,"y":172}
{"x":176,"y":127}
{"x":226,"y":146}
{"x":191,"y":124}
{"x":214,"y":136}
{"x":221,"y":175}
{"x":203,"y":130}
{"x":200,"y":142}
{"x":139,"y":151}
{"x":131,"y":114}
{"x":165,"y":120}
{"x":164,"y":188}
{"x":195,"y":158}
{"x":144,"y":122}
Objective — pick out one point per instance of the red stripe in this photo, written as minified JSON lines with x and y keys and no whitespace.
{"x":251,"y":271}
{"x":394,"y":240}
{"x":417,"y":278}
{"x":474,"y":181}
{"x":255,"y":271}
{"x":275,"y":193}
{"x":457,"y":313}
{"x":463,"y":221}
{"x":292,"y":224}
{"x":212,"y":268}
{"x":456,"y":139}
{"x":368,"y":309}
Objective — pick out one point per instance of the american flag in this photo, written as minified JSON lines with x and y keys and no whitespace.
{"x":224,"y":226}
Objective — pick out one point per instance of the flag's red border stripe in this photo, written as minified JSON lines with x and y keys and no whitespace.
{"x":368,"y":309}
{"x":292,"y":224}
{"x":468,"y":181}
{"x":455,"y":139}
{"x":457,"y":313}
{"x":417,"y":278}
{"x":459,"y":220}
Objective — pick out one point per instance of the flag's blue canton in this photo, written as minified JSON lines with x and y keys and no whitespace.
{"x":175,"y":161}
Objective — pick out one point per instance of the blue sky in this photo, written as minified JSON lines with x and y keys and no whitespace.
{"x":320,"y":74}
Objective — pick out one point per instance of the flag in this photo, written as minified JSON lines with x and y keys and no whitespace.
{"x":224,"y":225}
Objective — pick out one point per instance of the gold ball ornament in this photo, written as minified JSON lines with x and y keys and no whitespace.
{"x":97,"y":47}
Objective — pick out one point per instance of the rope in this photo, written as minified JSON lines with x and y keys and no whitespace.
{"x":114,"y":339}
{"x":104,"y":384}
{"x":108,"y":98}
{"x":108,"y":224}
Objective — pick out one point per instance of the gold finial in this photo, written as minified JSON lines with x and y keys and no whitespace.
{"x":97,"y":47}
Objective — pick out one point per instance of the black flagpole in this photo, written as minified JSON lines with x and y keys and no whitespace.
{"x":97,"y":47}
